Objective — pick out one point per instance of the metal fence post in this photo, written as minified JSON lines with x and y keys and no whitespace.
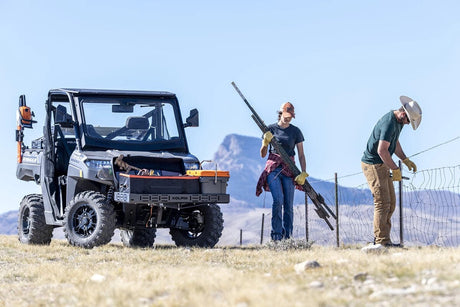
{"x":401,"y":224}
{"x":262,"y":229}
{"x":337,"y":209}
{"x":306,"y":217}
{"x":241,"y":237}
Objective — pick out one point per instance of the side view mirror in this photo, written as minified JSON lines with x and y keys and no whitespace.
{"x":192,"y":120}
{"x":62,"y":118}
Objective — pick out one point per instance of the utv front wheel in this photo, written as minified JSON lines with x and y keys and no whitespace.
{"x":32,"y":228}
{"x":89,"y":220}
{"x":143,"y":238}
{"x":205,"y":227}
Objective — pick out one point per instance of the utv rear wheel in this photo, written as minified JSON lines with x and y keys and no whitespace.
{"x":143,"y":238}
{"x":32,"y":228}
{"x":205,"y":227}
{"x":89,"y":220}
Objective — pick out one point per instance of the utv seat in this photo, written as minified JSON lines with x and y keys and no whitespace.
{"x":64,"y":149}
{"x":92,"y":132}
{"x":139,"y":126}
{"x":137,"y":123}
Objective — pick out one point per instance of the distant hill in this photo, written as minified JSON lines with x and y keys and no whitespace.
{"x":8,"y":222}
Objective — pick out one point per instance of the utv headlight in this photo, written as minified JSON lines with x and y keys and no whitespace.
{"x":192,"y":166}
{"x":98,"y":164}
{"x":103,"y":167}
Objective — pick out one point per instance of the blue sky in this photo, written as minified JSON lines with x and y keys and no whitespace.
{"x":343,"y":64}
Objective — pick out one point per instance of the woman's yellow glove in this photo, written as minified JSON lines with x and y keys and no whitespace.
{"x":268,"y":136}
{"x":300,"y":179}
{"x":410,"y":165}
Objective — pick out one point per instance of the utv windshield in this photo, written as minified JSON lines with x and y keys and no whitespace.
{"x":131,"y":123}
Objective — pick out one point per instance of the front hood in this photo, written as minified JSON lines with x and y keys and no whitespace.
{"x":111,"y":154}
{"x":91,"y":162}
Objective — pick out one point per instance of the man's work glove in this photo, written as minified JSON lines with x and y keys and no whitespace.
{"x":268,"y":136}
{"x":300,"y":179}
{"x":410,"y":165}
{"x":397,"y":175}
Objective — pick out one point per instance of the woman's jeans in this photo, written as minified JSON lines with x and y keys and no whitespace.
{"x":282,"y":189}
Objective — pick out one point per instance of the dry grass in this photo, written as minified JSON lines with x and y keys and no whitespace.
{"x":62,"y":275}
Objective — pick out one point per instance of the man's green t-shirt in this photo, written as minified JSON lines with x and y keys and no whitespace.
{"x":386,"y":129}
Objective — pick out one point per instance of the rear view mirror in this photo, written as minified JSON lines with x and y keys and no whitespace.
{"x":192,"y":120}
{"x":62,"y":118}
{"x":122,"y":108}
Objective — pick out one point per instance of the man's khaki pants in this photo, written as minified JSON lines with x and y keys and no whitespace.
{"x":383,"y":191}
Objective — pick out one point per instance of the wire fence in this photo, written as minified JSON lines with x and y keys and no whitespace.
{"x":427,"y":212}
{"x":430,"y":215}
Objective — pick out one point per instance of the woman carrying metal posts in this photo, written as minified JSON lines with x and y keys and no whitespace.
{"x":276,"y":176}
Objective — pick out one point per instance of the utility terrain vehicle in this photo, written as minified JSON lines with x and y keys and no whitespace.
{"x":116,"y":159}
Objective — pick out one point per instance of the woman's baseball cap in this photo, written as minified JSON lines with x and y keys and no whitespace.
{"x":287,"y":109}
{"x":413,"y":111}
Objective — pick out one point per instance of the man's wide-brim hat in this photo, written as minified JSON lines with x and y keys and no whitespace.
{"x":413,"y":111}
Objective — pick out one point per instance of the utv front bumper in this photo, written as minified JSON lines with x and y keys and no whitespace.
{"x":197,"y":187}
{"x":171,"y":198}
